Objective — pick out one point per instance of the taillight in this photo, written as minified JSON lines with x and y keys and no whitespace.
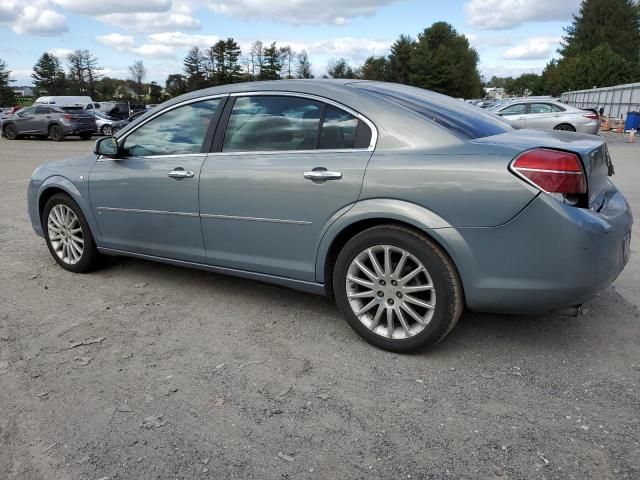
{"x":68,"y":117}
{"x":552,"y":171}
{"x":592,"y":116}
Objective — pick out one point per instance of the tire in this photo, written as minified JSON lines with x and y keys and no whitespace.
{"x":115,"y":130}
{"x":61,"y":245}
{"x":85,"y":136}
{"x":10,"y":132}
{"x":56,"y":133}
{"x":565,"y":127}
{"x":107,"y":130}
{"x":437,"y":289}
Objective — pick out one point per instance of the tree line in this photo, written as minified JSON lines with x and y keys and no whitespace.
{"x":601,"y":48}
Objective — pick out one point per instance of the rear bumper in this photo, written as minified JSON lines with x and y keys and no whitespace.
{"x":591,"y":128}
{"x":79,"y":128}
{"x":549,"y":257}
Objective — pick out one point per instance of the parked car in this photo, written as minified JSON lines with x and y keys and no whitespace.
{"x":107,"y":125}
{"x":84,"y":102}
{"x":404,"y":205}
{"x":48,"y":121}
{"x":548,"y":114}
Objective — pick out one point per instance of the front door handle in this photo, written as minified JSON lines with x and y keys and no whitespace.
{"x":180,"y":173}
{"x":322,"y":175}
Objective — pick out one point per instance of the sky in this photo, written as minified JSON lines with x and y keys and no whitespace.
{"x":511,"y":36}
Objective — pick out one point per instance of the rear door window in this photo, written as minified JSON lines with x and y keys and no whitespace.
{"x":271,"y":123}
{"x":338,"y":129}
{"x":541,"y":108}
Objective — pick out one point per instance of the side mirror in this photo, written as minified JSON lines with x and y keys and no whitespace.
{"x":107,"y":146}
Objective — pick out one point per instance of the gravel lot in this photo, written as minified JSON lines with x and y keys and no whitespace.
{"x":186,"y":374}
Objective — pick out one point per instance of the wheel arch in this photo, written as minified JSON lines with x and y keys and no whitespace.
{"x":58,"y":184}
{"x":372,"y":213}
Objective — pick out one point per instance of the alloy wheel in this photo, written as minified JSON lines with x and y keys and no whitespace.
{"x":107,"y":130}
{"x":65,"y":234}
{"x":10,"y":132}
{"x":56,"y":133}
{"x":390,"y":292}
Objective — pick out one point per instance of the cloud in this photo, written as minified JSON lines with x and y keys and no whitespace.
{"x":154,"y":51}
{"x":504,"y":14}
{"x":337,"y":12}
{"x":103,"y":7}
{"x":116,"y":40}
{"x":61,"y":53}
{"x":9,"y":11}
{"x":538,"y":48}
{"x":180,"y":39}
{"x":36,"y":21}
{"x":151,"y":22}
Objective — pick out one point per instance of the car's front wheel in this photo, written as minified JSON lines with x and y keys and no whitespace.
{"x":10,"y":132}
{"x":56,"y":133}
{"x":68,"y":235}
{"x":107,"y":130}
{"x":397,"y":288}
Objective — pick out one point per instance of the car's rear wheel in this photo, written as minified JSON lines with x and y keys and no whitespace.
{"x":565,"y":127}
{"x":68,"y":235}
{"x":56,"y":133}
{"x":397,"y":288}
{"x":107,"y":130}
{"x":10,"y":132}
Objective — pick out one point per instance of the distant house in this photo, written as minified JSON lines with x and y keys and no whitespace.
{"x":23,"y":91}
{"x":494,"y":93}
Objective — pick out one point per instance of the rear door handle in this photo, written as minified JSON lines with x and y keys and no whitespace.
{"x":322,"y":175}
{"x":179,"y":173}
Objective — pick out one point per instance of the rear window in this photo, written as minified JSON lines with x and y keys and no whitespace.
{"x":463,"y":120}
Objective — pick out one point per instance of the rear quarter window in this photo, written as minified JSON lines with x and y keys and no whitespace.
{"x":465,"y":121}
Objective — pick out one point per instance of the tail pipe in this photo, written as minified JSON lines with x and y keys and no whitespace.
{"x":574,"y":311}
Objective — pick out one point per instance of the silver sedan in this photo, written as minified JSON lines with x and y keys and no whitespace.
{"x":107,"y":125}
{"x":548,"y":115}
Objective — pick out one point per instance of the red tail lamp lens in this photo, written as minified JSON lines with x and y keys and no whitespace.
{"x":553,"y":171}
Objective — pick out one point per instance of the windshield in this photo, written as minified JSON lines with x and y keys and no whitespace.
{"x":460,"y":118}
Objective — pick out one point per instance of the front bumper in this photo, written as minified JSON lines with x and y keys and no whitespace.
{"x":549,"y":257}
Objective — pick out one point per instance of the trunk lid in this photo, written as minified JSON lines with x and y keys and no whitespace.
{"x":592,"y":150}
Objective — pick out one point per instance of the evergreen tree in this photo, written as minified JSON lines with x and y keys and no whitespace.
{"x":176,"y":84}
{"x":525,"y":84}
{"x":400,"y":59}
{"x":444,"y":61}
{"x":271,"y":66}
{"x":48,"y":75}
{"x":6,"y":93}
{"x":232,"y":61}
{"x":303,"y":66}
{"x":616,"y":22}
{"x":218,"y":67}
{"x":340,"y":68}
{"x":195,"y":68}
{"x":376,"y":68}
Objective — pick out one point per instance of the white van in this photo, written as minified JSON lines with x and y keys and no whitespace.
{"x":86,"y":103}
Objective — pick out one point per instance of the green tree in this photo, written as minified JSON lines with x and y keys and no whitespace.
{"x":84,"y":72}
{"x":601,"y":67}
{"x":6,"y":93}
{"x":196,"y":69}
{"x":176,"y":84}
{"x":154,"y":94}
{"x":303,"y":65}
{"x":376,"y":68}
{"x":272,"y":65}
{"x":526,"y":84}
{"x":340,"y":68}
{"x":107,"y":87}
{"x":232,"y":54}
{"x":616,"y":22}
{"x":400,"y":59}
{"x":48,"y":75}
{"x":217,"y":68}
{"x":444,"y":61}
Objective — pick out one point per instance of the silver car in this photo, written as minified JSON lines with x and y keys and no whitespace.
{"x":107,"y":125}
{"x":548,"y":115}
{"x":404,"y":205}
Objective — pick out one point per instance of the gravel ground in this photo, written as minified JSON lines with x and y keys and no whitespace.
{"x":186,"y":374}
